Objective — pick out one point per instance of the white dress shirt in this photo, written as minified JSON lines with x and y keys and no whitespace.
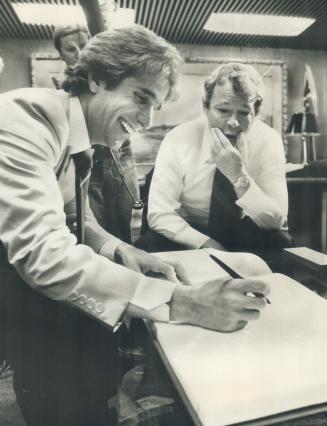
{"x":181,"y":186}
{"x":39,"y":130}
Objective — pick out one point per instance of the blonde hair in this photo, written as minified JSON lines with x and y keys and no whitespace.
{"x":245,"y":79}
{"x":65,"y":30}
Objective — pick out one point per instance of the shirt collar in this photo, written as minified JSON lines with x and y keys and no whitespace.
{"x":78,"y":140}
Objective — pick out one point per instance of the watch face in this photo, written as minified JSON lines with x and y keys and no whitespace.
{"x":242,"y":182}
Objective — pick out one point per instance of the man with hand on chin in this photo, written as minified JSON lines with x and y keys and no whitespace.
{"x":66,"y":300}
{"x":219,"y":180}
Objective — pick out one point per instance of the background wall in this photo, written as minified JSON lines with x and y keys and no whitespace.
{"x":16,"y":56}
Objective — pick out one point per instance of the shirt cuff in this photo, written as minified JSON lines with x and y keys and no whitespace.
{"x":261,"y":209}
{"x":249,"y":202}
{"x":191,"y":238}
{"x":152,"y":292}
{"x":109,"y":247}
{"x":158,"y":314}
{"x":151,"y":299}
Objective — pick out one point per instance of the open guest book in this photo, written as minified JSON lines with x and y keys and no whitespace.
{"x":275,"y":365}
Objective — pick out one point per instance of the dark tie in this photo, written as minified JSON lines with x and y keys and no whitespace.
{"x":224,"y":214}
{"x":226,"y":226}
{"x":83,"y":165}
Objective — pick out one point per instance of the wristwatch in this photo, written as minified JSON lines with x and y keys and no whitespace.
{"x":241,"y":182}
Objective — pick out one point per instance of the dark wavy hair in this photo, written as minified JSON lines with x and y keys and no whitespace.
{"x":245,"y":79}
{"x":112,"y":56}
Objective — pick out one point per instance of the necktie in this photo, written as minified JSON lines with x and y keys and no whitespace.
{"x":224,"y":214}
{"x":226,"y":226}
{"x":83,"y":165}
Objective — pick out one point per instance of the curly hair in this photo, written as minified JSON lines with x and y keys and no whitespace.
{"x":245,"y":79}
{"x":112,"y":56}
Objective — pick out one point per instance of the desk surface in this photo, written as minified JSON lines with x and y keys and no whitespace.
{"x":315,"y":414}
{"x":209,"y":393}
{"x":308,"y":180}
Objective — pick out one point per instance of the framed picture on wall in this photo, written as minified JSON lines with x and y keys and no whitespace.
{"x":189,"y":104}
{"x":47,"y":70}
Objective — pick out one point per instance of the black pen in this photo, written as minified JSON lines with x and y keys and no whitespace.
{"x":234,"y":274}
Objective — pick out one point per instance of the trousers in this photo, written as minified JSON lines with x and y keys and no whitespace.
{"x":65,"y":363}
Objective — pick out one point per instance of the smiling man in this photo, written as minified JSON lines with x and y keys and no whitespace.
{"x":219,"y":180}
{"x":66,"y":300}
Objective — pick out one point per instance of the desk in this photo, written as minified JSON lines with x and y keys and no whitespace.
{"x":209,"y":393}
{"x":183,"y":412}
{"x":308,"y":211}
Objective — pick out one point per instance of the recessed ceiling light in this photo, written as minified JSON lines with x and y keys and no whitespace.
{"x":49,"y":14}
{"x":268,"y":25}
{"x":54,"y":14}
{"x":120,"y":17}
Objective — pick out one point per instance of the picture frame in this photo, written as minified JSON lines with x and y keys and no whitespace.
{"x":47,"y":70}
{"x":195,"y":70}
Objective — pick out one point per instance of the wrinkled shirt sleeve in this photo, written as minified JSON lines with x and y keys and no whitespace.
{"x":266,"y":200}
{"x":165,"y":198}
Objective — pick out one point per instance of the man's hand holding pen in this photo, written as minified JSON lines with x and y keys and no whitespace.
{"x":234,"y":274}
{"x":222,"y":305}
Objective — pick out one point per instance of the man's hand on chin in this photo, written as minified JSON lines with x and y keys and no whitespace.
{"x":148,"y":264}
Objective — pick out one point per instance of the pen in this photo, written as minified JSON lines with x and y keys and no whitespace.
{"x":234,"y":274}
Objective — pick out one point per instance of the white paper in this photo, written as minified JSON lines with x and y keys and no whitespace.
{"x":275,"y":364}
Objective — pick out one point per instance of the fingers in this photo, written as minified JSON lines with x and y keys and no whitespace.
{"x":250,"y":302}
{"x":165,"y":269}
{"x":181,"y":273}
{"x":131,"y":264}
{"x":220,"y":138}
{"x":240,"y":139}
{"x":239,"y":326}
{"x":173,"y":271}
{"x":250,"y":311}
{"x":250,"y":285}
{"x":245,"y":307}
{"x":150,"y":265}
{"x":236,"y":326}
{"x":250,"y":314}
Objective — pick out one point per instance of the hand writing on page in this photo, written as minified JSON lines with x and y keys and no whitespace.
{"x":221,"y":305}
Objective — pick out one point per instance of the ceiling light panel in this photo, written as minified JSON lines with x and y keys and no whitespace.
{"x":254,"y":24}
{"x":49,"y":14}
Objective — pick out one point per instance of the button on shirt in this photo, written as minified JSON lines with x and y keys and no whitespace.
{"x":181,"y":186}
{"x":39,"y":130}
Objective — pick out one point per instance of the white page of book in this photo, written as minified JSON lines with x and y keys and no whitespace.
{"x":275,"y":364}
{"x":201,"y":268}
